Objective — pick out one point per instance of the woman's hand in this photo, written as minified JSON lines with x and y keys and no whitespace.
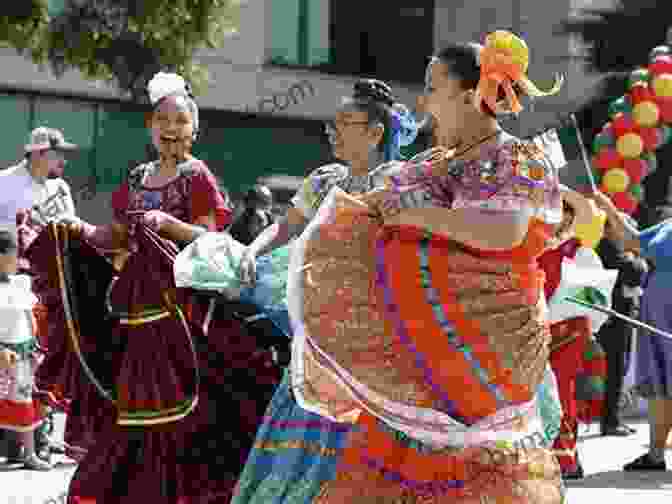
{"x":247,"y":271}
{"x":156,"y":220}
{"x":604,"y":202}
{"x":74,"y":224}
{"x":8,"y":358}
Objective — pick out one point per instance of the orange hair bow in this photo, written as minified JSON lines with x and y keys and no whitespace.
{"x":504,"y":60}
{"x":498,"y":69}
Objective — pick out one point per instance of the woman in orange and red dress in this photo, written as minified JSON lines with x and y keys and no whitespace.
{"x":418,"y":309}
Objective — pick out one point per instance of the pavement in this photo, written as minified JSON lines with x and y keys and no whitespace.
{"x":603,"y":458}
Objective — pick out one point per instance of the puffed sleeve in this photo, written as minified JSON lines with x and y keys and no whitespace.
{"x":656,"y":244}
{"x":206,"y":198}
{"x":315,"y":188}
{"x":529,"y":180}
{"x":120,"y":202}
{"x":69,"y":202}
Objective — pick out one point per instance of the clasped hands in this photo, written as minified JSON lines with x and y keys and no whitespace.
{"x":156,"y":220}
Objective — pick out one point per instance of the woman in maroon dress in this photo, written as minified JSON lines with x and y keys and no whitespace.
{"x":169,"y":395}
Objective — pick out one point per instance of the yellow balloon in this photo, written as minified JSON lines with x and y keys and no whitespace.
{"x":646,"y":114}
{"x":512,"y":44}
{"x":662,"y":85}
{"x":630,"y":145}
{"x":590,"y":233}
{"x":616,"y":180}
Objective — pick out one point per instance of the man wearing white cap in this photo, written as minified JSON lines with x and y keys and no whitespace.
{"x":33,"y":193}
{"x":35,"y":184}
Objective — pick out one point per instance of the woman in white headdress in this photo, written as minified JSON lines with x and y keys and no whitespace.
{"x":165,"y":402}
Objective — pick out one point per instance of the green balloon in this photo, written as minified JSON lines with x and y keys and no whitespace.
{"x":601,"y":141}
{"x":637,"y":191}
{"x":597,"y":175}
{"x":641,"y":75}
{"x":622,"y":105}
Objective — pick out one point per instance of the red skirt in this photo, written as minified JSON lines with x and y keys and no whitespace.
{"x":19,"y":409}
{"x":145,"y":445}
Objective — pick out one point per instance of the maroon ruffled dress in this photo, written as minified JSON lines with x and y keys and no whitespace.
{"x":168,"y":387}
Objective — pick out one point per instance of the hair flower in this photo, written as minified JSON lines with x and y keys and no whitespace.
{"x":504,"y":60}
{"x":164,"y":84}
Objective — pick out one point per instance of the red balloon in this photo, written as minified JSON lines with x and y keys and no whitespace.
{"x":636,"y":169}
{"x":623,"y":124}
{"x":662,"y":64}
{"x":640,"y":92}
{"x":650,"y":137}
{"x":625,"y":202}
{"x":607,"y":159}
{"x":665,"y":108}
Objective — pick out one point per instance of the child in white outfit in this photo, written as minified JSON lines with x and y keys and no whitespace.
{"x":20,"y":413}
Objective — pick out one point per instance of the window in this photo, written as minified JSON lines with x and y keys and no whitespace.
{"x":390,"y":40}
{"x":353,"y":37}
{"x":230,"y":145}
{"x":55,"y":7}
{"x":121,"y":143}
{"x":15,"y":111}
{"x":300,"y":32}
{"x":76,"y":120}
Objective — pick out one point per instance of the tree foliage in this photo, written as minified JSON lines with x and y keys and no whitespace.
{"x":121,"y":41}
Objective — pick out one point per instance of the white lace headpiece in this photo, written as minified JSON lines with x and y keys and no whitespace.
{"x":166,"y":84}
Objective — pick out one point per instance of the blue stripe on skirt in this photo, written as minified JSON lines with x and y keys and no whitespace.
{"x":295,"y":451}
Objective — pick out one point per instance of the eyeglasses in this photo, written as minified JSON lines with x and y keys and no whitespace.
{"x":55,"y":155}
{"x":331,"y":127}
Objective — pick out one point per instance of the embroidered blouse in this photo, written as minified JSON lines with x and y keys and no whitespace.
{"x":192,"y":194}
{"x":511,"y":176}
{"x":322,"y":180}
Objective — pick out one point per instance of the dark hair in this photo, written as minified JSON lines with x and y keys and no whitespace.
{"x":7,"y":242}
{"x":258,"y":195}
{"x":462,"y":61}
{"x":376,"y":99}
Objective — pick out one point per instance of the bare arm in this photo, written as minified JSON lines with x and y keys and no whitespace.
{"x":180,"y":231}
{"x":109,"y":237}
{"x":472,"y":227}
{"x":627,"y":234}
{"x":584,"y":213}
{"x":280,"y":233}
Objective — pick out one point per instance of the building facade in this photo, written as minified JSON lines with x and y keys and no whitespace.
{"x":275,"y":81}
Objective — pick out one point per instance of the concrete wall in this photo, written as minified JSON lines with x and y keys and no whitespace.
{"x":551,"y":52}
{"x":239,"y":81}
{"x":536,"y":21}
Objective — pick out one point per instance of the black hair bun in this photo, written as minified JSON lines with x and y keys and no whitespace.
{"x":374,"y":90}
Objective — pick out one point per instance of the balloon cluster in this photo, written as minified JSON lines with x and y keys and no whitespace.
{"x":624,"y":150}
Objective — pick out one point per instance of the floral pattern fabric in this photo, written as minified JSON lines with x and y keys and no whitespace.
{"x":512,"y":175}
{"x":378,"y":311}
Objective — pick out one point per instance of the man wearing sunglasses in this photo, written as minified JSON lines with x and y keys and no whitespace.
{"x":33,"y":193}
